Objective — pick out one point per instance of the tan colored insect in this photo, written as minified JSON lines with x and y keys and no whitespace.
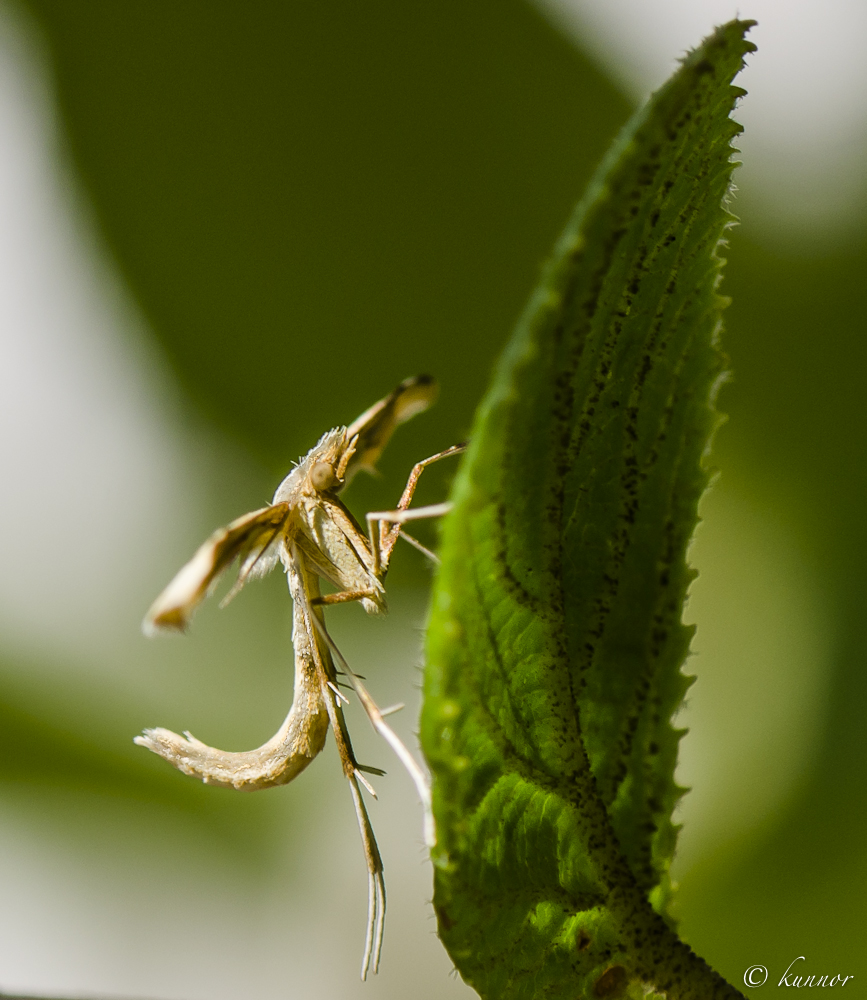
{"x":312,"y":533}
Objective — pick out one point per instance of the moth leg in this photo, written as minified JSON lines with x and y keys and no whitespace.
{"x":304,"y":586}
{"x":377,"y":720}
{"x":375,"y":885}
{"x":416,"y":544}
{"x":384,"y":529}
{"x":418,"y":469}
{"x":350,"y":766}
{"x":342,"y":597}
{"x":384,"y":526}
{"x":372,"y":857}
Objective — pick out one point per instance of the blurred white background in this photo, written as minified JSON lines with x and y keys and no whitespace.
{"x":811,"y":69}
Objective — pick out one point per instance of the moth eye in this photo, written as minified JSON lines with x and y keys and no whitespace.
{"x":323,"y":476}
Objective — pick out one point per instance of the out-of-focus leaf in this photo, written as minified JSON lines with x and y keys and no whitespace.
{"x":556,"y":640}
{"x":796,"y":445}
{"x":313,"y":201}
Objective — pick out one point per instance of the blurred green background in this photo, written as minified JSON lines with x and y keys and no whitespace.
{"x":276,"y":212}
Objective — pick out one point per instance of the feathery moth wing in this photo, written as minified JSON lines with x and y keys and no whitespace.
{"x":250,"y":537}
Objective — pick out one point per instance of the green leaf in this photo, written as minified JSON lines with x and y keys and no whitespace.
{"x":555,"y":644}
